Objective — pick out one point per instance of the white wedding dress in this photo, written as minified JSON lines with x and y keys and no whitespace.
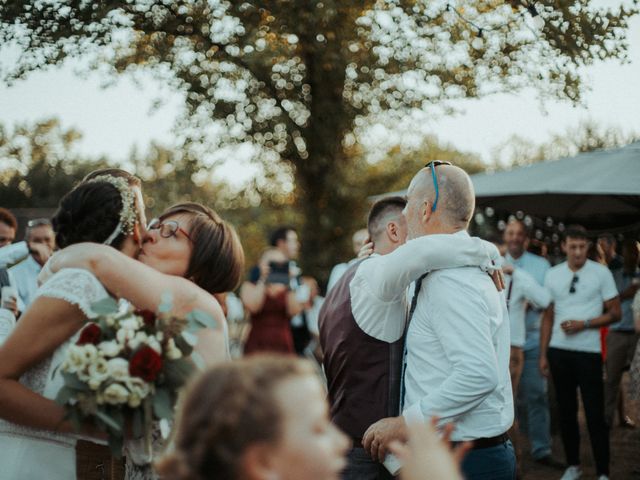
{"x":31,"y":454}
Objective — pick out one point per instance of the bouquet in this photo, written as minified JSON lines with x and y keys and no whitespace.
{"x":126,"y":369}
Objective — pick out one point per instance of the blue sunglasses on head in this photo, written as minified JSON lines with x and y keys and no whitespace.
{"x":432,"y":166}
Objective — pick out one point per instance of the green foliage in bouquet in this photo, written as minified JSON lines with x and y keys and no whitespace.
{"x":125,"y":369}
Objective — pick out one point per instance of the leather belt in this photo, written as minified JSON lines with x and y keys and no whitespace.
{"x":480,"y":443}
{"x":623,"y":332}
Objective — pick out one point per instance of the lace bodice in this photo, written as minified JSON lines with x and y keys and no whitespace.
{"x":78,"y":287}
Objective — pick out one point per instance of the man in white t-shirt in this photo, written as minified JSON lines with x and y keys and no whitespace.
{"x":585,"y":298}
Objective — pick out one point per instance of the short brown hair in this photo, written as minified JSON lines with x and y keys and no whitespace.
{"x":227,"y":409}
{"x":9,"y":218}
{"x":217,"y":259}
{"x":379,"y":211}
{"x":577,"y":232}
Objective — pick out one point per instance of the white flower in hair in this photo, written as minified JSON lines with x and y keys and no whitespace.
{"x":128,"y":213}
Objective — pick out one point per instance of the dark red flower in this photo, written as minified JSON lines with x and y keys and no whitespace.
{"x":146,"y":363}
{"x":90,"y":334}
{"x":148,"y":317}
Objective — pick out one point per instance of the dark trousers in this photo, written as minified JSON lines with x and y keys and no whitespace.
{"x":572,"y":370}
{"x":493,"y":463}
{"x":360,"y":466}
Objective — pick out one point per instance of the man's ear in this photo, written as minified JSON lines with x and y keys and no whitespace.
{"x":392,"y":232}
{"x":426,"y":213}
{"x":258,"y":463}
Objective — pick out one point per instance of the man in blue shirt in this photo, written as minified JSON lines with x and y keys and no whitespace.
{"x":533,"y":386}
{"x":24,"y":275}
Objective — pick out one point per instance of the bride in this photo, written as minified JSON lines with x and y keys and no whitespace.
{"x":35,"y":440}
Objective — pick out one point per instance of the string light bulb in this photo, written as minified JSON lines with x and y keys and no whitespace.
{"x":536,"y":18}
{"x":478,"y":42}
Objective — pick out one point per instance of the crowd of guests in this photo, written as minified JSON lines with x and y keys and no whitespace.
{"x":425,"y":330}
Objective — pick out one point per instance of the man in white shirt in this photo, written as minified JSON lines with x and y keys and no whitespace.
{"x":362,"y":323}
{"x":24,"y":275}
{"x":457,"y":350}
{"x":585,"y":298}
{"x":533,"y":390}
{"x":523,"y":292}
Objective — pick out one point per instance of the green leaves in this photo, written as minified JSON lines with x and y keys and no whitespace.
{"x":64,"y":395}
{"x":162,"y":404}
{"x":106,"y":306}
{"x":199,"y":319}
{"x":176,"y":372}
{"x":72,"y":382}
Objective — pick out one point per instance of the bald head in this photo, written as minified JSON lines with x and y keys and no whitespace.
{"x":456,"y":200}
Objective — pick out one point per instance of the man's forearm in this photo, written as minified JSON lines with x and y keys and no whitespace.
{"x":545,"y":331}
{"x":603,"y":320}
{"x":391,"y":274}
{"x":10,"y":254}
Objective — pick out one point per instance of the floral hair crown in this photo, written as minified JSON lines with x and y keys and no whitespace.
{"x":128,"y":215}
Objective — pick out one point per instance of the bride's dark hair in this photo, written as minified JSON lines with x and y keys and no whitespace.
{"x":91,"y":211}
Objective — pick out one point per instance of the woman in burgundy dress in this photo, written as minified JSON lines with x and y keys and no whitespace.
{"x":271,"y":303}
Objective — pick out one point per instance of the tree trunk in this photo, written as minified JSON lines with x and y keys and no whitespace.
{"x":322,"y":196}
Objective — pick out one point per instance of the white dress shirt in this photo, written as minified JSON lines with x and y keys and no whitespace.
{"x":524,"y":291}
{"x":378,"y":288}
{"x":458,"y":354}
{"x":24,"y":276}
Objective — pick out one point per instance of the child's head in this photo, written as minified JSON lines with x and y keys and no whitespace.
{"x":260,"y":418}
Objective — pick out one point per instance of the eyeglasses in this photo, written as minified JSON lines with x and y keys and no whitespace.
{"x":574,"y":280}
{"x":38,"y":222}
{"x":432,"y":166}
{"x":169,"y":228}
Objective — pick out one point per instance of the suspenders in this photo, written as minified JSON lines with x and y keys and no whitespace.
{"x":414,"y":303}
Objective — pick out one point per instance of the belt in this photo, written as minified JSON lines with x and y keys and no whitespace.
{"x":480,"y":443}
{"x":623,"y":332}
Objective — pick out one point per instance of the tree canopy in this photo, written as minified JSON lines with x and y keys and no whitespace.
{"x":300,"y":80}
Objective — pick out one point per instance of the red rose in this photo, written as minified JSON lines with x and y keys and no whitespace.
{"x":90,"y":334}
{"x":148,"y":317}
{"x":146,"y":363}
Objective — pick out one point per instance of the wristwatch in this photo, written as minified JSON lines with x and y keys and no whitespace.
{"x":587,"y":322}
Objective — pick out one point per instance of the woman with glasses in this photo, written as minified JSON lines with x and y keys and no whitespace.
{"x":190,"y":253}
{"x":188,"y":244}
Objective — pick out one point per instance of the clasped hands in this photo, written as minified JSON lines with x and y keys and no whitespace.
{"x":423,"y":453}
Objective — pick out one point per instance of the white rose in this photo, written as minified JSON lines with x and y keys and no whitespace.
{"x":90,"y":353}
{"x":118,"y":369}
{"x":131,"y":323}
{"x":98,"y":373}
{"x":173,"y":352}
{"x":134,"y":400}
{"x":160,"y":336}
{"x":124,"y":335}
{"x":75,"y":360}
{"x":110,"y":320}
{"x":116,"y":394}
{"x":153,"y":343}
{"x":139,"y":389}
{"x":110,"y":348}
{"x":139,"y":339}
